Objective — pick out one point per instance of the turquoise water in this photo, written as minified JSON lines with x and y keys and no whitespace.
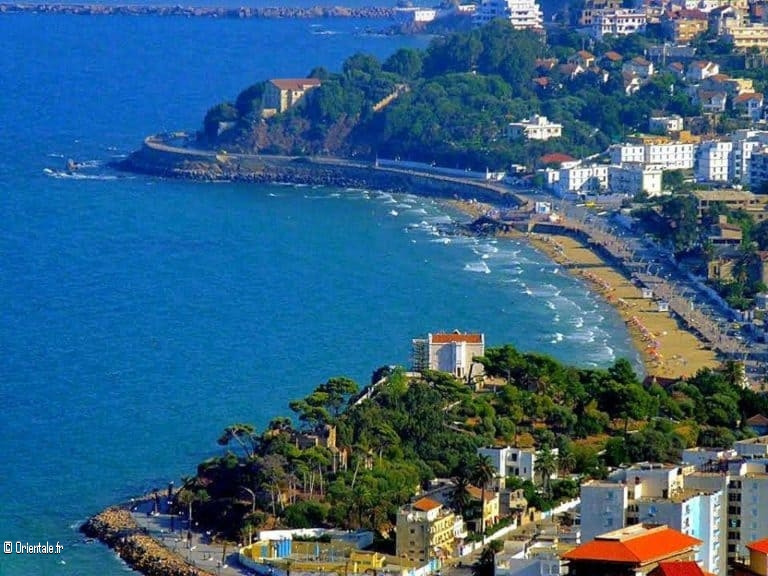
{"x":141,"y":316}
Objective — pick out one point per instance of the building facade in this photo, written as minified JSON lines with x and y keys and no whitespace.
{"x":426,"y":530}
{"x":521,"y":14}
{"x":450,"y":352}
{"x":281,"y":94}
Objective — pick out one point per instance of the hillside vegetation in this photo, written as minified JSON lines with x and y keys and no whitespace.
{"x":411,"y":430}
{"x":455,"y":100}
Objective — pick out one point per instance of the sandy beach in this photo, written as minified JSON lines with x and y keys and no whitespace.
{"x":668,"y":349}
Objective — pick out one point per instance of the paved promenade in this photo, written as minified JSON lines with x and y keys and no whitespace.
{"x":171,"y":531}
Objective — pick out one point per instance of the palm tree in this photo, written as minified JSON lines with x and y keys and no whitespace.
{"x":481,"y":473}
{"x":546,"y":464}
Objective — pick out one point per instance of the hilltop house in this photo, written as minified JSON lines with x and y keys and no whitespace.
{"x":450,"y":352}
{"x":281,"y":94}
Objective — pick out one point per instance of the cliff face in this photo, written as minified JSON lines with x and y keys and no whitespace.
{"x":295,"y":135}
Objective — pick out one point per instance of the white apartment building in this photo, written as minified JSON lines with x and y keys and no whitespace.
{"x":619,"y":22}
{"x":535,"y":128}
{"x":635,"y":178}
{"x":713,"y":161}
{"x":581,"y":179}
{"x":670,"y":156}
{"x":656,"y":493}
{"x":522,"y":14}
{"x":744,"y":143}
{"x":509,"y":461}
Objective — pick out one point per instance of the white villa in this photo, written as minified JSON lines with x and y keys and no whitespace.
{"x":535,"y":128}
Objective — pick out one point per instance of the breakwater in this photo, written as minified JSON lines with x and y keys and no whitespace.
{"x":117,"y":528}
{"x":160,"y":158}
{"x":202,"y":12}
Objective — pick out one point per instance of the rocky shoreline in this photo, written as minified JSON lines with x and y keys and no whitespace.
{"x":117,"y":528}
{"x":204,"y":12}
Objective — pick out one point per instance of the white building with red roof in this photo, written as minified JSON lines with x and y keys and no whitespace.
{"x":452,"y":352}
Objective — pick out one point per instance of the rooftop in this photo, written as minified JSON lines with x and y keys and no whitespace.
{"x":678,"y":569}
{"x":295,"y":83}
{"x":426,"y":504}
{"x":638,"y":544}
{"x":444,"y":338}
{"x":759,"y":546}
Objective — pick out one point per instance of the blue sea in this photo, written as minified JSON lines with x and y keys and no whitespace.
{"x":141,"y":316}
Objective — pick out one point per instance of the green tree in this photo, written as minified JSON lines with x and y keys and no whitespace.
{"x":244,"y":435}
{"x":486,"y":563}
{"x":481,"y":473}
{"x":546,"y":465}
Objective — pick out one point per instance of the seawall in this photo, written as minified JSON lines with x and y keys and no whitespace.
{"x":158,"y":157}
{"x":203,"y":12}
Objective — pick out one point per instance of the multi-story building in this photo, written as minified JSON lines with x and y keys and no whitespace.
{"x":758,"y":168}
{"x":713,"y":161}
{"x":656,"y":493}
{"x":744,"y":143}
{"x":450,"y":352}
{"x":745,"y":36}
{"x":425,"y":529}
{"x":631,"y":178}
{"x":535,"y":128}
{"x":631,"y":551}
{"x":668,"y":155}
{"x":619,"y":22}
{"x":590,"y":179}
{"x":683,"y":29}
{"x":522,"y":14}
{"x":518,"y":462}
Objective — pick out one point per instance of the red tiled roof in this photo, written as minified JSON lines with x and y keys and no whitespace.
{"x":556,"y":158}
{"x":447,"y":338}
{"x":613,"y":56}
{"x":747,"y":96}
{"x":677,"y":569}
{"x":655,"y":544}
{"x":426,"y":504}
{"x":295,"y":83}
{"x":759,"y":546}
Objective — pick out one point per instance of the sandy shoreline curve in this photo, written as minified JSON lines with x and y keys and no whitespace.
{"x":668,"y":349}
